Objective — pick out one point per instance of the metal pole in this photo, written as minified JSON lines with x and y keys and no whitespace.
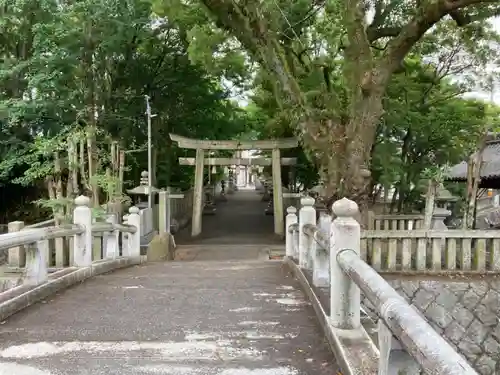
{"x":150,"y":154}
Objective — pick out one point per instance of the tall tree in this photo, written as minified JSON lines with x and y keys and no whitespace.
{"x":85,"y":67}
{"x":354,"y":46}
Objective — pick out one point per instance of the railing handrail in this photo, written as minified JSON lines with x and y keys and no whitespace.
{"x":346,"y":273}
{"x":415,"y":216}
{"x":317,"y":235}
{"x":41,"y":224}
{"x":28,"y":236}
{"x":31,"y":235}
{"x":102,"y":227}
{"x":428,"y":348}
{"x":124,"y":228}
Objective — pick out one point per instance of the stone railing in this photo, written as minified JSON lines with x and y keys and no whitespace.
{"x":59,"y":252}
{"x":330,"y":251}
{"x":174,"y":210}
{"x":429,"y":251}
{"x":182,"y":209}
{"x":432,"y":250}
{"x":37,"y":280}
{"x":57,"y":247}
{"x":395,"y":222}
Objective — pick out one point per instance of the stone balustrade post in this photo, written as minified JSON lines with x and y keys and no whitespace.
{"x":111,"y":239}
{"x":82,"y":243}
{"x":134,"y":239}
{"x":17,"y":255}
{"x":400,"y":362}
{"x":321,"y":270}
{"x":36,"y":271}
{"x":344,"y":293}
{"x":295,"y":243}
{"x":164,"y":211}
{"x":125,"y":238}
{"x":291,"y":218}
{"x":307,"y":215}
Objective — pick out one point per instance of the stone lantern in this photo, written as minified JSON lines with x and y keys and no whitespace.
{"x":441,"y":210}
{"x":143,"y":190}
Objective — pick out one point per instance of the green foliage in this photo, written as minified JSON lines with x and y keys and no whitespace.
{"x":324,"y":67}
{"x":65,"y":67}
{"x":426,"y":125}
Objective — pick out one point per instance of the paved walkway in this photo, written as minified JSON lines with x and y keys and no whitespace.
{"x":196,"y":318}
{"x":239,"y":230}
{"x":240,"y":220}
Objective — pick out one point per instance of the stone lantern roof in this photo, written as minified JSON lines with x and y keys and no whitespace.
{"x":443,"y":195}
{"x":143,"y":188}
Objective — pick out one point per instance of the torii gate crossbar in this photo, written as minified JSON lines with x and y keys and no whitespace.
{"x":201,"y":145}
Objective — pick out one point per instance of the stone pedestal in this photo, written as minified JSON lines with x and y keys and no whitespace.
{"x":438,"y":217}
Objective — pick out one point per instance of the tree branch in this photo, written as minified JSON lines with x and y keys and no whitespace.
{"x":383,"y":32}
{"x":358,"y":52}
{"x":247,"y":23}
{"x":428,"y":14}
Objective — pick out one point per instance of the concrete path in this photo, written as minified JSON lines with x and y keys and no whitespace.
{"x":240,"y":220}
{"x":195,"y":318}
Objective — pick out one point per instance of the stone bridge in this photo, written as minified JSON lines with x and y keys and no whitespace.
{"x":224,"y":306}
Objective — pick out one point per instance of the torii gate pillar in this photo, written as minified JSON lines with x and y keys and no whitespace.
{"x":201,"y":145}
{"x":198,"y":193}
{"x":277,"y":193}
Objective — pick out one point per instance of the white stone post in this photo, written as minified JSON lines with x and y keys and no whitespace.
{"x":321,"y":270}
{"x":82,"y":243}
{"x":111,"y":239}
{"x":17,"y":255}
{"x":344,"y":293}
{"x":164,"y":211}
{"x":36,"y":271}
{"x":291,"y":218}
{"x":134,"y":239}
{"x":125,"y":238}
{"x":307,"y":215}
{"x":394,"y":359}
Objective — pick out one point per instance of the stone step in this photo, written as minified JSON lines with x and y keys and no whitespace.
{"x":229,"y":252}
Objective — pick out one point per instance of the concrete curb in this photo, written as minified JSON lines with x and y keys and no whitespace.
{"x":354,"y":350}
{"x":16,"y":299}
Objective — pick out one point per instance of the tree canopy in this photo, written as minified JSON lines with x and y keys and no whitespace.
{"x":86,"y":67}
{"x":372,"y":88}
{"x":329,"y":63}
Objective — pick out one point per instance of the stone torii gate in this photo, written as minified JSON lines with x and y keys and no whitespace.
{"x":199,"y":162}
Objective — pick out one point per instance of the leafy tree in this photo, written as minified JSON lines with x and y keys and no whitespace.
{"x":426,"y":123}
{"x":85,"y":67}
{"x":330,"y":62}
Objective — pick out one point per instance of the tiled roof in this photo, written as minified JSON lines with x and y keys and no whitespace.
{"x":490,"y":168}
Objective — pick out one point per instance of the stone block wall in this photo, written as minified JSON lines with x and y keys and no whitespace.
{"x":466,"y":314}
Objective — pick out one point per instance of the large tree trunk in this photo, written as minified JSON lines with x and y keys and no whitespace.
{"x":343,"y":151}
